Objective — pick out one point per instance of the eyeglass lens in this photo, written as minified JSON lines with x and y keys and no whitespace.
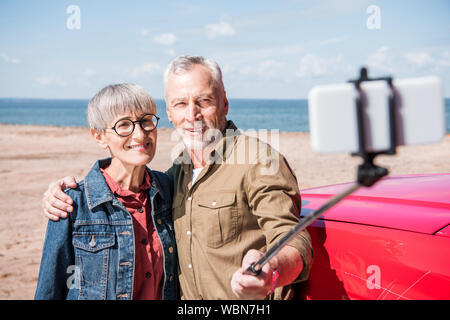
{"x":125,"y":126}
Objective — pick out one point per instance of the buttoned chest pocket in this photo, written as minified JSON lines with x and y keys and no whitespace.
{"x":221,"y":218}
{"x":92,"y":254}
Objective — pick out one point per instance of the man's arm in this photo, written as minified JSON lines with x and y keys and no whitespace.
{"x":55,"y":203}
{"x":274,"y":197}
{"x":288,"y":264}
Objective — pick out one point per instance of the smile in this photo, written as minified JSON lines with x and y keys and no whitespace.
{"x":141,"y":146}
{"x":194,"y":131}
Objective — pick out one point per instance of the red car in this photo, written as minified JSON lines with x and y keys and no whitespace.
{"x":390,"y":241}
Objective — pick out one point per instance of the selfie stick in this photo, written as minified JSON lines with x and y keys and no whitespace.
{"x":368,"y":172}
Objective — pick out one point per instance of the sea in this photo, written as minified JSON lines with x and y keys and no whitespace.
{"x":257,"y":114}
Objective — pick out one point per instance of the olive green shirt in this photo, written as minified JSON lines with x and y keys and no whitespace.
{"x":246,"y":197}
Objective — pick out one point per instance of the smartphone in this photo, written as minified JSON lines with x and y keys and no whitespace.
{"x":419,"y":114}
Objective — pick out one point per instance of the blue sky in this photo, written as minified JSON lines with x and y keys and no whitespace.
{"x":267,"y":49}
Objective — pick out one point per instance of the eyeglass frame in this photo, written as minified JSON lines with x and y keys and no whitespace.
{"x":134,"y":124}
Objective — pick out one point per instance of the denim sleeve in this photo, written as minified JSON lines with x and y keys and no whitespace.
{"x":57,"y":256}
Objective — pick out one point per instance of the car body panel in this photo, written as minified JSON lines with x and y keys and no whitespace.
{"x":444,"y":232}
{"x":379,"y":244}
{"x":419,"y":203}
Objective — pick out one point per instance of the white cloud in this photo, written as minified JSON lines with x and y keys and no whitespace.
{"x":380,"y":59}
{"x":311,"y":65}
{"x":266,"y":70}
{"x":228,"y":68}
{"x":171,"y":52}
{"x":329,"y":41}
{"x":408,"y":63}
{"x":246,"y":70}
{"x":444,"y":61}
{"x":334,"y":8}
{"x":85,"y":79}
{"x":166,"y":39}
{"x":147,"y":69}
{"x":240,"y":57}
{"x":219,"y":29}
{"x":419,"y":59}
{"x":270,"y":69}
{"x":50,"y":80}
{"x":8,"y":59}
{"x":89,"y":73}
{"x":144,"y":32}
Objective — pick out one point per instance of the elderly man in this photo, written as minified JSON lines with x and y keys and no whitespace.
{"x":232,"y":200}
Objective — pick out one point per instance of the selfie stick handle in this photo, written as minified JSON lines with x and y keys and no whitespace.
{"x":368,"y":172}
{"x":256,"y":267}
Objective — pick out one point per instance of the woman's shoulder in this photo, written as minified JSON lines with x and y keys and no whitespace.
{"x":161,"y":176}
{"x":164,"y":180}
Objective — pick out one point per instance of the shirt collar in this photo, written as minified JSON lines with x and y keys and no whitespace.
{"x":97,"y":190}
{"x":118,"y":190}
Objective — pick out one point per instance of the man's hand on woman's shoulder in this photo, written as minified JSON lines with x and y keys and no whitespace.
{"x":55,"y":203}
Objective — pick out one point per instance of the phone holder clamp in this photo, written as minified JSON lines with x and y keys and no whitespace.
{"x":368,"y":172}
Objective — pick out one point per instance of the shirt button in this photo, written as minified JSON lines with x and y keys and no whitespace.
{"x":188,"y":233}
{"x":171,"y":278}
{"x":159,"y":221}
{"x":171,"y":249}
{"x":214,"y":203}
{"x":190,"y":266}
{"x":140,"y":210}
{"x":148,"y":274}
{"x":144,"y":241}
{"x":190,"y":198}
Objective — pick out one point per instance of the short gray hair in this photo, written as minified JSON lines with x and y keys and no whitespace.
{"x":117,"y":99}
{"x":183,"y":64}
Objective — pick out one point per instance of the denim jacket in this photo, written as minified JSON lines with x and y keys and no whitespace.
{"x":90,"y":255}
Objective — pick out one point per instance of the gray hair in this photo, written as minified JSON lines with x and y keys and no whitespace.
{"x":183,"y":64}
{"x":115,"y":100}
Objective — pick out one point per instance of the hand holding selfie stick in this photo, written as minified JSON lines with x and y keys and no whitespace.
{"x":368,"y":172}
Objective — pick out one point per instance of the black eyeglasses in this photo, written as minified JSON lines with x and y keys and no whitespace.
{"x":125,"y":127}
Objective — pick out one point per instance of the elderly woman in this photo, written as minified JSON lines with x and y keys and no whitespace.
{"x":119,"y":241}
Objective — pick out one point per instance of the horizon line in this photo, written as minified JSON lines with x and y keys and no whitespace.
{"x":34,"y":98}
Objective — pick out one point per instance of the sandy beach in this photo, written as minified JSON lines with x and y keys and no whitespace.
{"x":33,"y":156}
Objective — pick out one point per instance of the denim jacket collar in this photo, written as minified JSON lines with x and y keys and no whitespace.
{"x":98,"y":192}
